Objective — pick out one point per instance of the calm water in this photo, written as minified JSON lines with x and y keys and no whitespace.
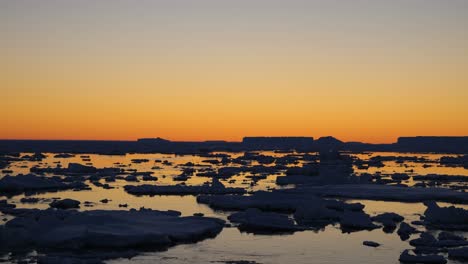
{"x":329,"y":245}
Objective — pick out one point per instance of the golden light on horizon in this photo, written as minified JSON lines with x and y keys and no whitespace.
{"x":162,"y":70}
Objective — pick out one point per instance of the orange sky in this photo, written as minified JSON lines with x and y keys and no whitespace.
{"x":370,"y":71}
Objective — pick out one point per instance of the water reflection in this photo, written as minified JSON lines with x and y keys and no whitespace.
{"x":329,"y":245}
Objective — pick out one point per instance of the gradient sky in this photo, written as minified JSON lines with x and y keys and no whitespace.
{"x":196,"y":70}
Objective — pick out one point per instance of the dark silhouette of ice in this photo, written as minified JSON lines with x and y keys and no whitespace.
{"x":460,"y":161}
{"x":216,"y":187}
{"x":149,"y":145}
{"x":400,"y":176}
{"x":371,"y":244}
{"x":4,"y":205}
{"x":385,"y":193}
{"x":30,"y":200}
{"x":316,"y":214}
{"x":256,"y":221}
{"x":405,"y":231}
{"x":429,"y":243}
{"x":60,"y":230}
{"x":76,"y":168}
{"x":446,"y":217}
{"x":406,"y":257}
{"x":309,"y":204}
{"x":388,"y":220}
{"x":440,"y":178}
{"x":30,"y":182}
{"x":449,"y":236}
{"x":65,"y":204}
{"x":353,"y":221}
{"x":460,"y":254}
{"x":63,"y":156}
{"x":279,"y":201}
{"x":333,"y":168}
{"x":308,"y":210}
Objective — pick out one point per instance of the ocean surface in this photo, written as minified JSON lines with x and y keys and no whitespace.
{"x":329,"y":245}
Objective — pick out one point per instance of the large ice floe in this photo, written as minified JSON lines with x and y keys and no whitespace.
{"x":308,"y":210}
{"x":352,"y":221}
{"x":405,"y":231}
{"x":406,"y":257}
{"x":445,"y":217}
{"x":428,"y":246}
{"x":385,"y":193}
{"x":388,"y":220}
{"x":333,"y":168}
{"x":33,"y":183}
{"x":216,"y":187}
{"x":281,"y":201}
{"x":54,"y":230}
{"x":460,"y":254}
{"x":77,"y":169}
{"x":256,"y":221}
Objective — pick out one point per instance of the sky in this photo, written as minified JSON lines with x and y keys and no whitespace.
{"x":367,"y":71}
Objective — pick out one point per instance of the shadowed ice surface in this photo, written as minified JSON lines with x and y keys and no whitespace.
{"x":327,"y":245}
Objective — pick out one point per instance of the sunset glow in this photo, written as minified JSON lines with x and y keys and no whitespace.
{"x":220,"y":70}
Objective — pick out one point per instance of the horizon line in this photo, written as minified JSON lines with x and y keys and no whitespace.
{"x":214,"y":140}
